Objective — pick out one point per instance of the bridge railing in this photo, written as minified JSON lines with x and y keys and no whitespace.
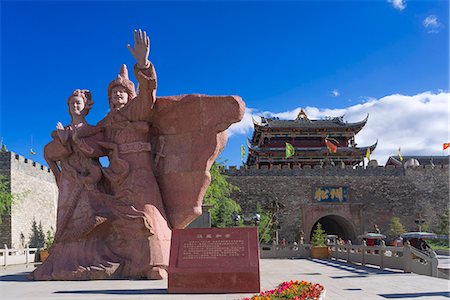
{"x":423,"y":264}
{"x":17,"y":256}
{"x":288,"y":251}
{"x":384,"y":257}
{"x":405,"y":258}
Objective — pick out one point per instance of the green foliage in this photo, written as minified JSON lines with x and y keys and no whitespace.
{"x":424,"y":227}
{"x":443,"y":225}
{"x":265,"y":225}
{"x":49,"y":239}
{"x":396,"y":228}
{"x":6,"y":198}
{"x":218,"y":195}
{"x":37,"y":237}
{"x":319,"y":237}
{"x":439,"y":244}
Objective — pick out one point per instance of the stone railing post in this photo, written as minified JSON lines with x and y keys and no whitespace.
{"x":27,"y":260}
{"x":382,"y":251}
{"x":434,"y":267}
{"x":407,"y":258}
{"x":5,"y":255}
{"x":363,"y":252}
{"x":348,"y":253}
{"x":363,"y":255}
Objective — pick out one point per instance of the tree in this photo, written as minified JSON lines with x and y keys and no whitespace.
{"x":37,"y":237}
{"x":319,"y":237}
{"x":6,"y":198}
{"x":396,"y":228}
{"x":218,"y":195}
{"x":443,"y":225}
{"x":265,"y":225}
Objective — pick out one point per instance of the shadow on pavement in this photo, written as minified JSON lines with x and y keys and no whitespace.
{"x":349,"y":276}
{"x":360,"y":271}
{"x":116,"y":292}
{"x":20,"y":277}
{"x":415,"y":295}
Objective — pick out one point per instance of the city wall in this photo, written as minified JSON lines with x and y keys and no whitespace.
{"x":36,"y":197}
{"x":376,"y":194}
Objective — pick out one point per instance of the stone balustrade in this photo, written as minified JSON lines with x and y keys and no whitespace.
{"x":406,"y":258}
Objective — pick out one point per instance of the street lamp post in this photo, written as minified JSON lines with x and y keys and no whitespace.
{"x":420,"y":221}
{"x":248,"y":220}
{"x":275,"y":207}
{"x":236,"y":219}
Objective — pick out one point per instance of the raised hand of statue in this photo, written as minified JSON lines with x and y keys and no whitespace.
{"x":141,"y":48}
{"x":62,"y":133}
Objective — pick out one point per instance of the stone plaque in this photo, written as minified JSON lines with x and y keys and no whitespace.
{"x":337,"y":194}
{"x":214,"y":260}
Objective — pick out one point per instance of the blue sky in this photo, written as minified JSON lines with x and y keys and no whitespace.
{"x":386,"y":58}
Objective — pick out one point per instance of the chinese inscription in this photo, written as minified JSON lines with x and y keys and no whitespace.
{"x":331,"y":194}
{"x":213,"y":246}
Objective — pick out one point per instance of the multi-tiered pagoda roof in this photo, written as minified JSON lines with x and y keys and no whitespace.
{"x":268,"y":143}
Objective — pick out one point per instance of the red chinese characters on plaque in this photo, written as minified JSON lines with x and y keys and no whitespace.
{"x":214,"y":260}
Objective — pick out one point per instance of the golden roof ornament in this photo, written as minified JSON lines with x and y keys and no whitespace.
{"x":302,"y":116}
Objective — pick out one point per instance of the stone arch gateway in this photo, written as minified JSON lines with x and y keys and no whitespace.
{"x":344,"y":220}
{"x":337,"y":225}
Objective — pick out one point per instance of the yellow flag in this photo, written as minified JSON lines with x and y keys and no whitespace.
{"x":399,"y":154}
{"x":242,"y":152}
{"x":368,"y":154}
{"x":290,"y":151}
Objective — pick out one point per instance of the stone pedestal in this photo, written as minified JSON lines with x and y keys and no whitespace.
{"x":214,"y":260}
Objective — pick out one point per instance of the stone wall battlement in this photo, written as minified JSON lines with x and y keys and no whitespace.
{"x":29,"y":167}
{"x":36,"y":200}
{"x":336,"y":171}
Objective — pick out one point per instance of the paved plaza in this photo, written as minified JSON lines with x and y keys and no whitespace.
{"x":341,"y":281}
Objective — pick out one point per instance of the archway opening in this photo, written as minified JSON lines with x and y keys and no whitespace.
{"x":337,"y":225}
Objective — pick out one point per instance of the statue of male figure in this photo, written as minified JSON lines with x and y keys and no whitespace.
{"x":140,"y":223}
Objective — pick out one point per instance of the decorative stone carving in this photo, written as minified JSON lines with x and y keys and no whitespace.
{"x":116,"y":222}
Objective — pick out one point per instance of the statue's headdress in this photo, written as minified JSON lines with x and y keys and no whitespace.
{"x":122,"y":80}
{"x":86,"y":95}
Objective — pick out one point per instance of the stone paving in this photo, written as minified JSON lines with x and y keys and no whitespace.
{"x":341,"y":281}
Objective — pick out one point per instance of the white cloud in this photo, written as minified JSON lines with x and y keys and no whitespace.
{"x":398,"y":4}
{"x":419,"y":124}
{"x":431,"y":23}
{"x":335,"y":93}
{"x":245,"y":126}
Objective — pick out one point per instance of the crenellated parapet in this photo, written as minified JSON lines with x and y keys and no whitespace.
{"x":11,"y":162}
{"x":278,"y":170}
{"x":36,"y":193}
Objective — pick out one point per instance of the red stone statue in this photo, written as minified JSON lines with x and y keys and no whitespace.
{"x":81,"y":247}
{"x":118,"y":219}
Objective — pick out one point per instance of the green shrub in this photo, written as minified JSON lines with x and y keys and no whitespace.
{"x":396,"y":228}
{"x":319,"y":237}
{"x":49,"y":239}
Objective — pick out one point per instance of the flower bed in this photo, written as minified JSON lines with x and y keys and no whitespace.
{"x":296,"y":290}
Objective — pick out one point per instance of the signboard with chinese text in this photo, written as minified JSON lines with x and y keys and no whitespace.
{"x":214,"y":260}
{"x":333,"y":194}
